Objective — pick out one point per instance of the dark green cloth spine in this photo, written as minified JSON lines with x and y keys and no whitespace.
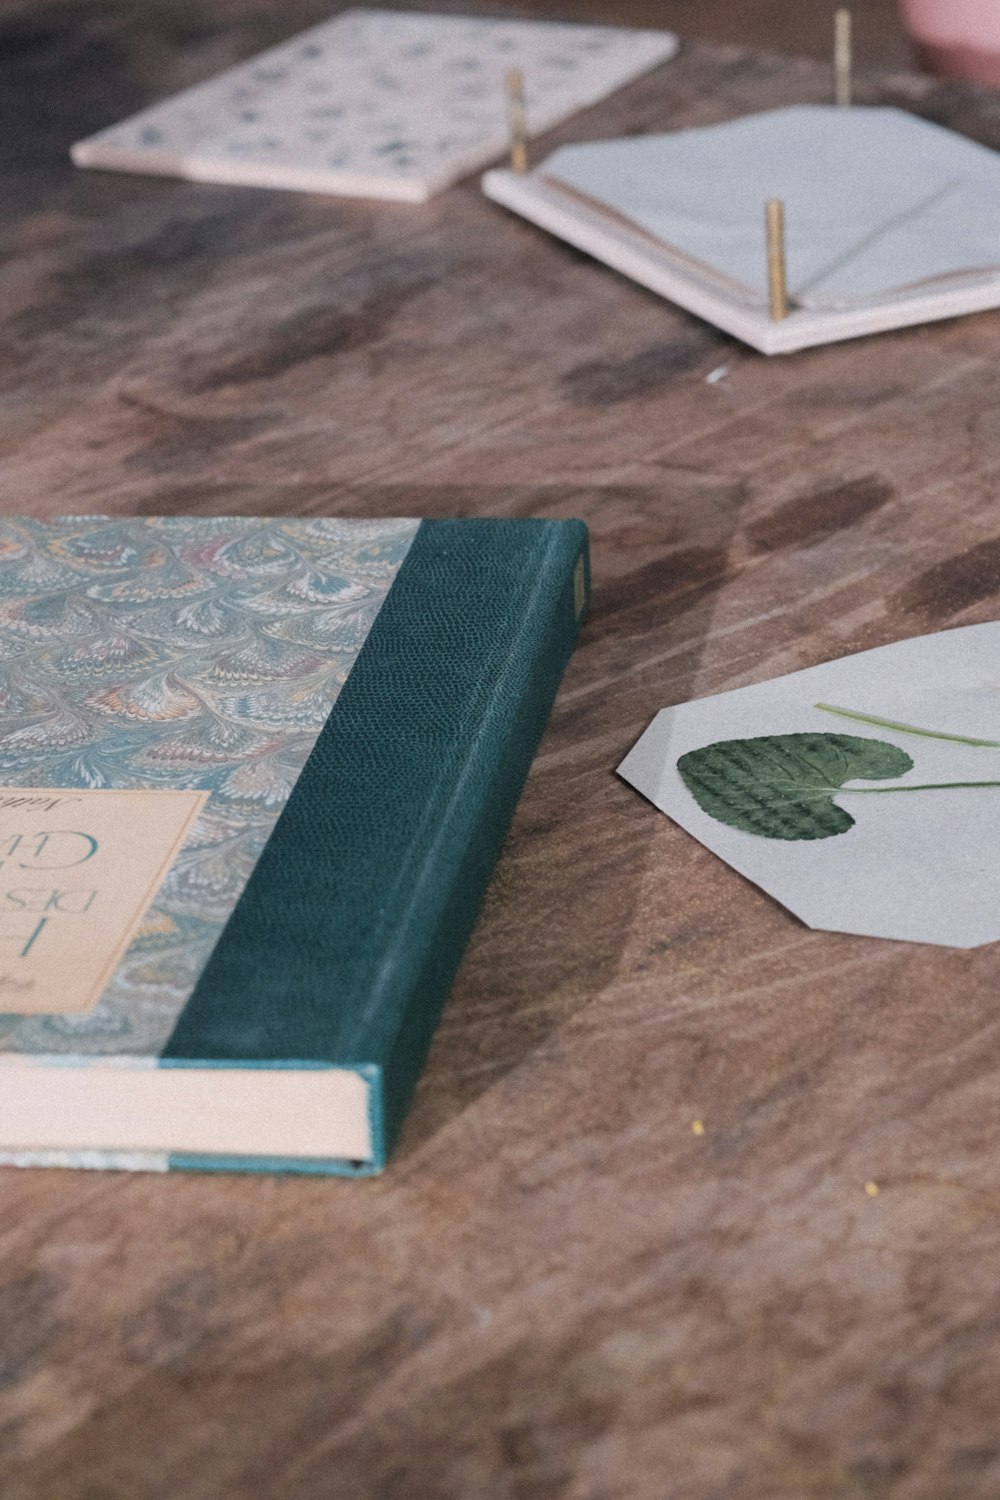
{"x":345,"y":941}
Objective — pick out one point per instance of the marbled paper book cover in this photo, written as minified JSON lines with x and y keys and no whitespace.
{"x":163,"y":684}
{"x":376,"y":103}
{"x":253,"y":777}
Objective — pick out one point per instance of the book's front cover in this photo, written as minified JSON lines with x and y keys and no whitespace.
{"x":252,"y":784}
{"x":162,"y":684}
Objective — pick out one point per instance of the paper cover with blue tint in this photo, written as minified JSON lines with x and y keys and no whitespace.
{"x":377,"y":103}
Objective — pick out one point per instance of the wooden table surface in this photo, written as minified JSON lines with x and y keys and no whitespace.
{"x":558,"y":1291}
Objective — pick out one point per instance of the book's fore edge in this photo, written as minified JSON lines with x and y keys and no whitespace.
{"x":505,"y":748}
{"x":265,"y":992}
{"x":336,"y":1166}
{"x":300,"y":1166}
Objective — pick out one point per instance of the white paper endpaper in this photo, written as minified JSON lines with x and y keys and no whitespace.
{"x":877,"y":201}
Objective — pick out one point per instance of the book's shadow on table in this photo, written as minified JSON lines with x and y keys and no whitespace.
{"x":562,"y":903}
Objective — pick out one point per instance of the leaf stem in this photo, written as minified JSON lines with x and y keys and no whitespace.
{"x":927,"y":734}
{"x":927,"y":786}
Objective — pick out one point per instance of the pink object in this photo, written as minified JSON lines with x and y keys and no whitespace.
{"x":957,"y":38}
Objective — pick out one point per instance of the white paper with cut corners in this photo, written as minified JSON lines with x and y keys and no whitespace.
{"x":876,"y":200}
{"x":376,"y":103}
{"x":918,"y":866}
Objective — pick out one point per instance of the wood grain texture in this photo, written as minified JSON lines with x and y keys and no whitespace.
{"x":558,"y":1291}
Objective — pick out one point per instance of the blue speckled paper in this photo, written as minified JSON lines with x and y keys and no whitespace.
{"x":376,"y":103}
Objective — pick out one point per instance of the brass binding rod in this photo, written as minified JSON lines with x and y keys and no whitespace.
{"x":842,"y":58}
{"x":517,"y":121}
{"x":777,"y":284}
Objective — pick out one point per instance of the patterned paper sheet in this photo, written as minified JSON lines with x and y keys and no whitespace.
{"x":376,"y":103}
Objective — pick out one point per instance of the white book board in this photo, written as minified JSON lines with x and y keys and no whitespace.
{"x":375,"y":103}
{"x":891,"y":221}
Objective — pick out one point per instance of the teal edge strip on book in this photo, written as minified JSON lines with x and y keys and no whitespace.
{"x":412,"y":782}
{"x":302,"y":1165}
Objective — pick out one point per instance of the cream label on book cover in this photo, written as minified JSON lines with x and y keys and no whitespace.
{"x":79,"y":869}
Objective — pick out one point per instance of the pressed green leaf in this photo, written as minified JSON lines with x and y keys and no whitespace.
{"x":782,"y":786}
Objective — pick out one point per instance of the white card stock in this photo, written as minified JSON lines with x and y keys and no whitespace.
{"x":888,"y":808}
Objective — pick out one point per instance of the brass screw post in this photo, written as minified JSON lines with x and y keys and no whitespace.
{"x":842,"y":58}
{"x":517,"y":121}
{"x":777,"y":284}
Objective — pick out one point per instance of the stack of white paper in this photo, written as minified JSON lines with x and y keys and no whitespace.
{"x":889,"y":220}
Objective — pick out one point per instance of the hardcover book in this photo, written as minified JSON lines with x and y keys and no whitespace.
{"x":253,"y":778}
{"x":376,"y":103}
